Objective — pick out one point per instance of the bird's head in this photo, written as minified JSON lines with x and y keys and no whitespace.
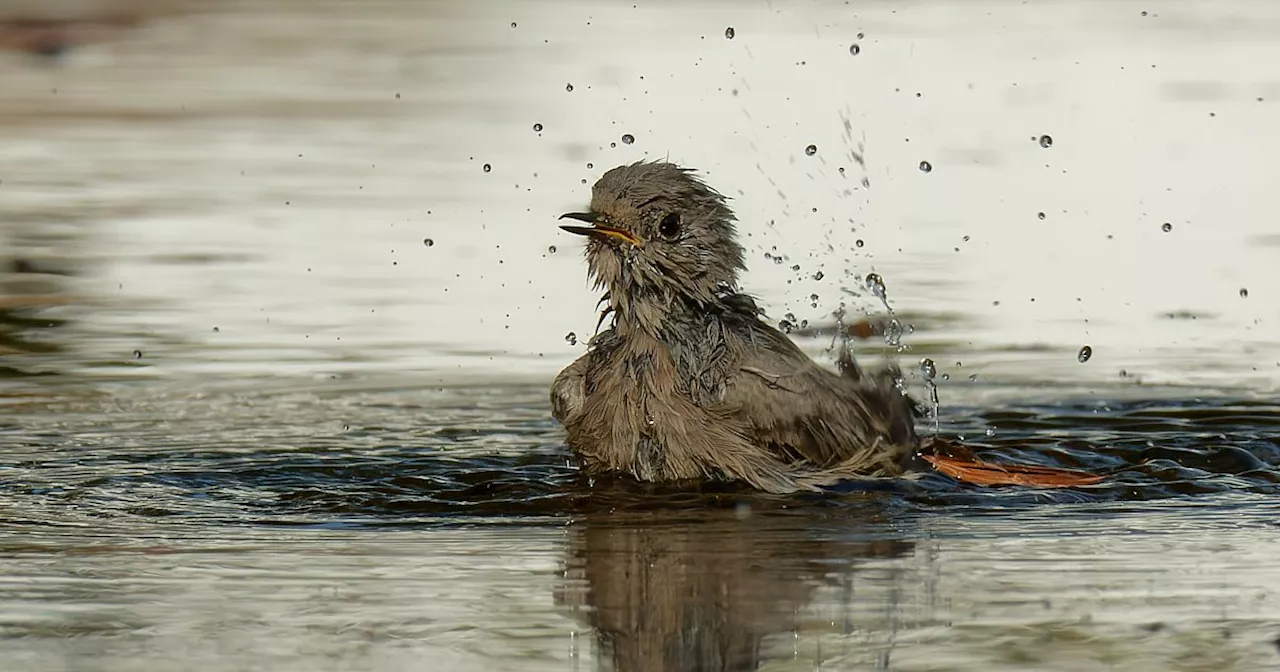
{"x":656,"y":231}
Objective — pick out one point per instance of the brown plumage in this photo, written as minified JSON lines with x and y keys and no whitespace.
{"x":689,"y":383}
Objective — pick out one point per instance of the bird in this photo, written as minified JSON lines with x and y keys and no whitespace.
{"x":688,"y":383}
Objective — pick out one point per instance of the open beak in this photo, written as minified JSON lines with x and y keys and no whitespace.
{"x":597,"y":231}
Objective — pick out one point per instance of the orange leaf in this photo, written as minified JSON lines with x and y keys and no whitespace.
{"x":977,"y":472}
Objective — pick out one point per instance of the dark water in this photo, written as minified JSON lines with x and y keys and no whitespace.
{"x":462,"y":455}
{"x":362,"y":526}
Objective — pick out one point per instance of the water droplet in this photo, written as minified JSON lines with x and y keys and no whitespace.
{"x":1244,"y":293}
{"x":137,"y":354}
{"x":628,"y":139}
{"x":537,"y":128}
{"x":811,"y":150}
{"x":590,"y":166}
{"x":513,"y":24}
{"x":859,"y":242}
{"x":1046,"y":141}
{"x":991,"y":431}
{"x":973,"y":377}
{"x":928,"y":369}
{"x":946,"y":376}
{"x":487,"y":167}
{"x":786,"y":326}
{"x":216,"y":330}
{"x":1085,"y":353}
{"x":1167,"y":227}
{"x":854,"y":50}
{"x":428,"y":242}
{"x":571,"y":338}
{"x":876,"y":284}
{"x":818,"y":275}
{"x":551,"y":250}
{"x":568,"y":88}
{"x":729,"y":33}
{"x":1039,"y":215}
{"x":813,"y":297}
{"x":925,"y":166}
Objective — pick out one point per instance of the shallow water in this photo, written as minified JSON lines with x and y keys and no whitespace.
{"x":249,"y":420}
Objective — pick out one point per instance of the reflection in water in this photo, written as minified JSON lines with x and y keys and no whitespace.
{"x":381,"y":528}
{"x":32,"y":290}
{"x":50,"y":37}
{"x":703,"y":591}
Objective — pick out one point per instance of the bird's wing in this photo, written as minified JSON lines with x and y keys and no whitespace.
{"x":568,"y":391}
{"x":804,"y":411}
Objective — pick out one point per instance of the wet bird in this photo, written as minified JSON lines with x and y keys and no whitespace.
{"x":688,"y":383}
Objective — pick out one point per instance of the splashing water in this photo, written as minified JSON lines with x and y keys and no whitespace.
{"x":892,"y":331}
{"x":876,"y":285}
{"x":929,"y":371}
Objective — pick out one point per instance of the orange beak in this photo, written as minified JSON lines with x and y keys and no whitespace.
{"x":597,"y":231}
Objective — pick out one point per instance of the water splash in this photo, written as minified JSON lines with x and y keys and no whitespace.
{"x":893,"y":330}
{"x":929,"y":371}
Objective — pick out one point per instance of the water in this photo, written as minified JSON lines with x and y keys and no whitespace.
{"x":275,"y":345}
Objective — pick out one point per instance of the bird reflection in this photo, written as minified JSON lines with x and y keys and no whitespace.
{"x":703,"y":590}
{"x":29,"y":297}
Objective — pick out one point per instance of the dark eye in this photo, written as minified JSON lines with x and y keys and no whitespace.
{"x":670,"y":225}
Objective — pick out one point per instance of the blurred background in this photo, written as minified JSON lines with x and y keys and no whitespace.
{"x":282,"y":291}
{"x":317,"y":187}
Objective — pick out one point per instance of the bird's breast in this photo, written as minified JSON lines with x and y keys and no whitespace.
{"x":635,"y":414}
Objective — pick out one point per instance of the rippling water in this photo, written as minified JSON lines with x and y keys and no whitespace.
{"x":250,"y":419}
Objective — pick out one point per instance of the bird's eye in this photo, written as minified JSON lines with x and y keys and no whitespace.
{"x":670,"y":225}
